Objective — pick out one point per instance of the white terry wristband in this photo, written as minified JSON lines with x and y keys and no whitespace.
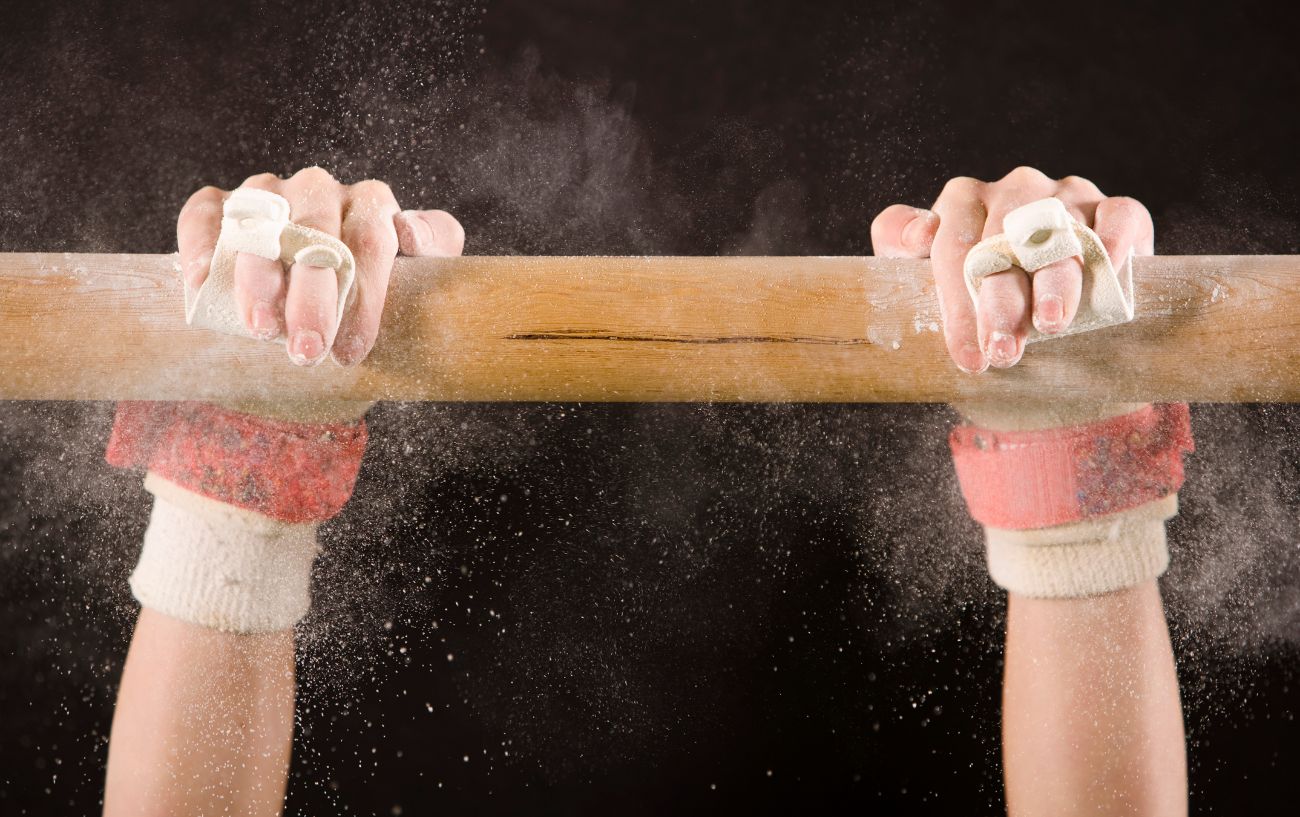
{"x":1099,"y":555}
{"x":215,"y":565}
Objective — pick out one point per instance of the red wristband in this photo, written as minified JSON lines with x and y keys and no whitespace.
{"x":291,"y":472}
{"x":1020,"y":480}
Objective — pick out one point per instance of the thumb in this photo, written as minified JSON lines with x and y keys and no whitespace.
{"x":904,"y":232}
{"x":429,"y":233}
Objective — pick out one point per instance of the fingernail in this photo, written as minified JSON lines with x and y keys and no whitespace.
{"x":1002,"y":349}
{"x":349,"y":351}
{"x":971,"y":360}
{"x":916,"y":231}
{"x":421,"y":232}
{"x":265,"y":325}
{"x":1049,"y":313}
{"x":197,"y":270}
{"x":307,"y":347}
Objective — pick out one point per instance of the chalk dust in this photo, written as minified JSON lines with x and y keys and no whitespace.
{"x":586,"y":582}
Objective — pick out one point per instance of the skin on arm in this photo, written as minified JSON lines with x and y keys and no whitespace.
{"x":204,"y":722}
{"x":1092,"y":722}
{"x":204,"y":718}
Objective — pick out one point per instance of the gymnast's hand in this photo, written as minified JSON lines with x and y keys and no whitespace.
{"x":967,"y":211}
{"x":365,"y":216}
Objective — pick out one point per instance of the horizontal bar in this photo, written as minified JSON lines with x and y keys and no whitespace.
{"x":772,"y":329}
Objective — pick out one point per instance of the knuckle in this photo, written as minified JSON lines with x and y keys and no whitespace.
{"x":370,"y":204}
{"x":1000,"y":305}
{"x":1072,"y":183}
{"x":1057,"y":269}
{"x":261,"y":180}
{"x":1116,"y":212}
{"x":314,"y":176}
{"x":961,"y":185}
{"x":207,"y":193}
{"x":372,"y":190}
{"x":314,"y":185}
{"x":374,"y":241}
{"x":1125,"y":206}
{"x":948,"y":254}
{"x":203,"y":201}
{"x":1000,"y":300}
{"x":1025,"y":174}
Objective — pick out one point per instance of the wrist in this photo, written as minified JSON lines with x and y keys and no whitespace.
{"x":288,"y":470}
{"x":1073,"y":499}
{"x":238,"y":499}
{"x":1087,"y":558}
{"x":1042,"y":477}
{"x":221,"y":566}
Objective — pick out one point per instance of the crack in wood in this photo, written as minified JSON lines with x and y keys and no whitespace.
{"x":813,"y":341}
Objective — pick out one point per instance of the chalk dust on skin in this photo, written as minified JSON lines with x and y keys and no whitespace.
{"x":595,"y":617}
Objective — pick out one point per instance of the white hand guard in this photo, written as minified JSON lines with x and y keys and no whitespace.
{"x":1042,"y":233}
{"x":257,"y":222}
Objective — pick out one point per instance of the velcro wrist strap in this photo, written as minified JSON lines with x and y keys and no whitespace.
{"x":1022,"y":480}
{"x":288,"y":471}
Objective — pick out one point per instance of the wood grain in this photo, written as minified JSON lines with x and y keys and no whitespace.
{"x":110,"y":327}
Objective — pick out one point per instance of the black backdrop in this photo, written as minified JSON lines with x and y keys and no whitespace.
{"x":646,"y":609}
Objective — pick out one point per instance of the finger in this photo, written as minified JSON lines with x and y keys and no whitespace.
{"x":197,"y":228}
{"x":961,"y":221}
{"x":429,"y":233}
{"x":311,"y":303}
{"x":1124,"y":226}
{"x":369,"y":230}
{"x":901,"y":231}
{"x":310,"y":311}
{"x":1081,"y":187}
{"x":1057,"y":289}
{"x":1003,"y":199}
{"x":259,"y":294}
{"x":264,"y":181}
{"x":1002,"y":311}
{"x":1024,"y":177}
{"x":259,"y":282}
{"x":1019,"y":187}
{"x":315,"y":200}
{"x":1080,"y":197}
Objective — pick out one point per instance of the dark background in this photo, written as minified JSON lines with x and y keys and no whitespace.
{"x":647,"y":609}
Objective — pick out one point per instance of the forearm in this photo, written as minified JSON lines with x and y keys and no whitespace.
{"x":1074,"y":501}
{"x":1091,"y":716}
{"x":1073,"y":498}
{"x":204,"y":721}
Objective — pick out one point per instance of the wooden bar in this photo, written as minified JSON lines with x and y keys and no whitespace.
{"x":110,"y":327}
